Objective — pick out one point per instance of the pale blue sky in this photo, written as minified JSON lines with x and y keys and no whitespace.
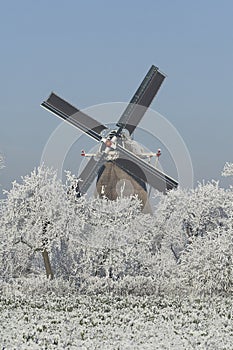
{"x":94,"y":52}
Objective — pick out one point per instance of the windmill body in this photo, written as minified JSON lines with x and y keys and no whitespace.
{"x":120,"y":165}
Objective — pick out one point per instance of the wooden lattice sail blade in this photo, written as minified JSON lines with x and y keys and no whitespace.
{"x":89,"y":173}
{"x":142,"y":98}
{"x":72,"y":115}
{"x":143,"y":171}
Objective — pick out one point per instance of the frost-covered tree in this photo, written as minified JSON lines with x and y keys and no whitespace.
{"x":228,"y":169}
{"x":112,"y":239}
{"x":183,"y":214}
{"x":101,"y":244}
{"x":207,"y":264}
{"x":189,"y":221}
{"x":1,"y":166}
{"x":85,"y":238}
{"x":34,"y":220}
{"x":1,"y":161}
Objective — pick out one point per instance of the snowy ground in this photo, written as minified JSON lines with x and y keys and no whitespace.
{"x":34,"y":320}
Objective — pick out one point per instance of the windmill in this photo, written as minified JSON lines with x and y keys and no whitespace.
{"x":120,"y":159}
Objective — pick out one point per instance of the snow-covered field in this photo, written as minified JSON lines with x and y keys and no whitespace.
{"x":54,"y":321}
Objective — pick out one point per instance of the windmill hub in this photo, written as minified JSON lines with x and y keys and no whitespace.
{"x":110,"y":143}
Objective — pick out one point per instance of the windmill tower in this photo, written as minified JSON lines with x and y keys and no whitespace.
{"x":119,"y":163}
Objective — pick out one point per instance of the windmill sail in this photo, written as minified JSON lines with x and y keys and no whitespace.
{"x":144,"y":171}
{"x":141,"y":100}
{"x":72,"y":115}
{"x":90,"y":172}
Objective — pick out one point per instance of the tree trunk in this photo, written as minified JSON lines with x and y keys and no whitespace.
{"x":48,"y":269}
